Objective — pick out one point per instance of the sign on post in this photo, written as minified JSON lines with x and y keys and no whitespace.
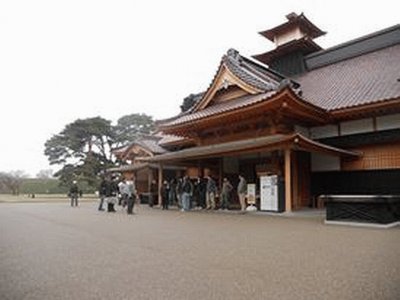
{"x":251,"y":193}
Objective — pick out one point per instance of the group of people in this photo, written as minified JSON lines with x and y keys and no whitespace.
{"x":112,"y":192}
{"x":201,"y":193}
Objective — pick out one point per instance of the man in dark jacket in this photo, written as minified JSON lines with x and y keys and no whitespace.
{"x":187,"y":192}
{"x":111,"y":193}
{"x":74,"y":193}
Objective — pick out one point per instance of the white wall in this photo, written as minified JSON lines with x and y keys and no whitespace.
{"x":324,"y":131}
{"x":302,"y":130}
{"x":357,"y":126}
{"x":388,"y":122}
{"x":288,"y":36}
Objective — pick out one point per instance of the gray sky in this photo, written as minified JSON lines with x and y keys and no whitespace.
{"x":64,"y":60}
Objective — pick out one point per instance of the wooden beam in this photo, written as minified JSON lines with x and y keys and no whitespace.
{"x":288,"y":181}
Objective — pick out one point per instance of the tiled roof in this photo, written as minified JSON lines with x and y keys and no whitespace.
{"x":360,"y":80}
{"x":258,"y":77}
{"x":365,"y":79}
{"x":166,"y":139}
{"x":221,"y":108}
{"x":360,"y":46}
{"x":151,"y":144}
{"x":249,"y":71}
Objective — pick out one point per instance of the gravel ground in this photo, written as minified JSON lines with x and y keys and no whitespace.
{"x":53,"y":251}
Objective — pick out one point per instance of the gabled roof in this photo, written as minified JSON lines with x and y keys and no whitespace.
{"x":151,"y":143}
{"x":148,"y":144}
{"x":260,"y":82}
{"x":234,"y":69}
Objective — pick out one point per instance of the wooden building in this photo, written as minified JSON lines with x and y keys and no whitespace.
{"x":135,"y":166}
{"x":325,"y":121}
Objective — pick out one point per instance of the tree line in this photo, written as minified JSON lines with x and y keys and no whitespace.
{"x":82,"y":150}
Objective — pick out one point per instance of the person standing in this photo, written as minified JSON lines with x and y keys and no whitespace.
{"x":153,"y":192}
{"x":202,"y":192}
{"x":102,"y":193}
{"x":196,"y":192}
{"x":126,"y":191}
{"x":179,"y":192}
{"x":111,"y":193}
{"x":211,"y":191}
{"x":165,"y":191}
{"x":119,"y":195}
{"x":242,"y":191}
{"x":74,"y":193}
{"x":131,"y":195}
{"x":225,"y":193}
{"x":172,"y":191}
{"x":187,"y":192}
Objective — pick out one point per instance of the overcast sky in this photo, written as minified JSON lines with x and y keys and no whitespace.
{"x":64,"y":60}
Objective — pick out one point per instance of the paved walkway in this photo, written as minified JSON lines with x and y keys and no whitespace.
{"x":53,"y":251}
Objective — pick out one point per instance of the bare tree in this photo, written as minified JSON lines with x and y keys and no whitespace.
{"x":45,"y":174}
{"x":11,"y":181}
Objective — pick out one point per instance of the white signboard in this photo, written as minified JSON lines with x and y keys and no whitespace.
{"x":269,"y":193}
{"x":251,"y":193}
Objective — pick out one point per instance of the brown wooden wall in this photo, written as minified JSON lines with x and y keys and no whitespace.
{"x":375,"y":157}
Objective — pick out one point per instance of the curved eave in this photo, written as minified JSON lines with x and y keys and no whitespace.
{"x":128,"y":168}
{"x":301,"y":21}
{"x":180,"y":142}
{"x":286,"y":100}
{"x":141,"y":166}
{"x":301,"y":142}
{"x":266,"y":143}
{"x":306,"y":45}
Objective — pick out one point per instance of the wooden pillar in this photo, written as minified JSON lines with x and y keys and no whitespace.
{"x":295,"y":181}
{"x":288,"y":181}
{"x":200,"y":170}
{"x":149,"y":180}
{"x":160,"y":182}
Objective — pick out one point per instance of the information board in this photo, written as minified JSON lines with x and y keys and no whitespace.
{"x":251,"y":193}
{"x":269,"y":193}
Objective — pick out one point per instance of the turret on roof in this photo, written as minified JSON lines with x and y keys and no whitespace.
{"x":297,"y":27}
{"x":293,"y":40}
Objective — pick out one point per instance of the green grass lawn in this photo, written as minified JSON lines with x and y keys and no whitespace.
{"x":43,"y":198}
